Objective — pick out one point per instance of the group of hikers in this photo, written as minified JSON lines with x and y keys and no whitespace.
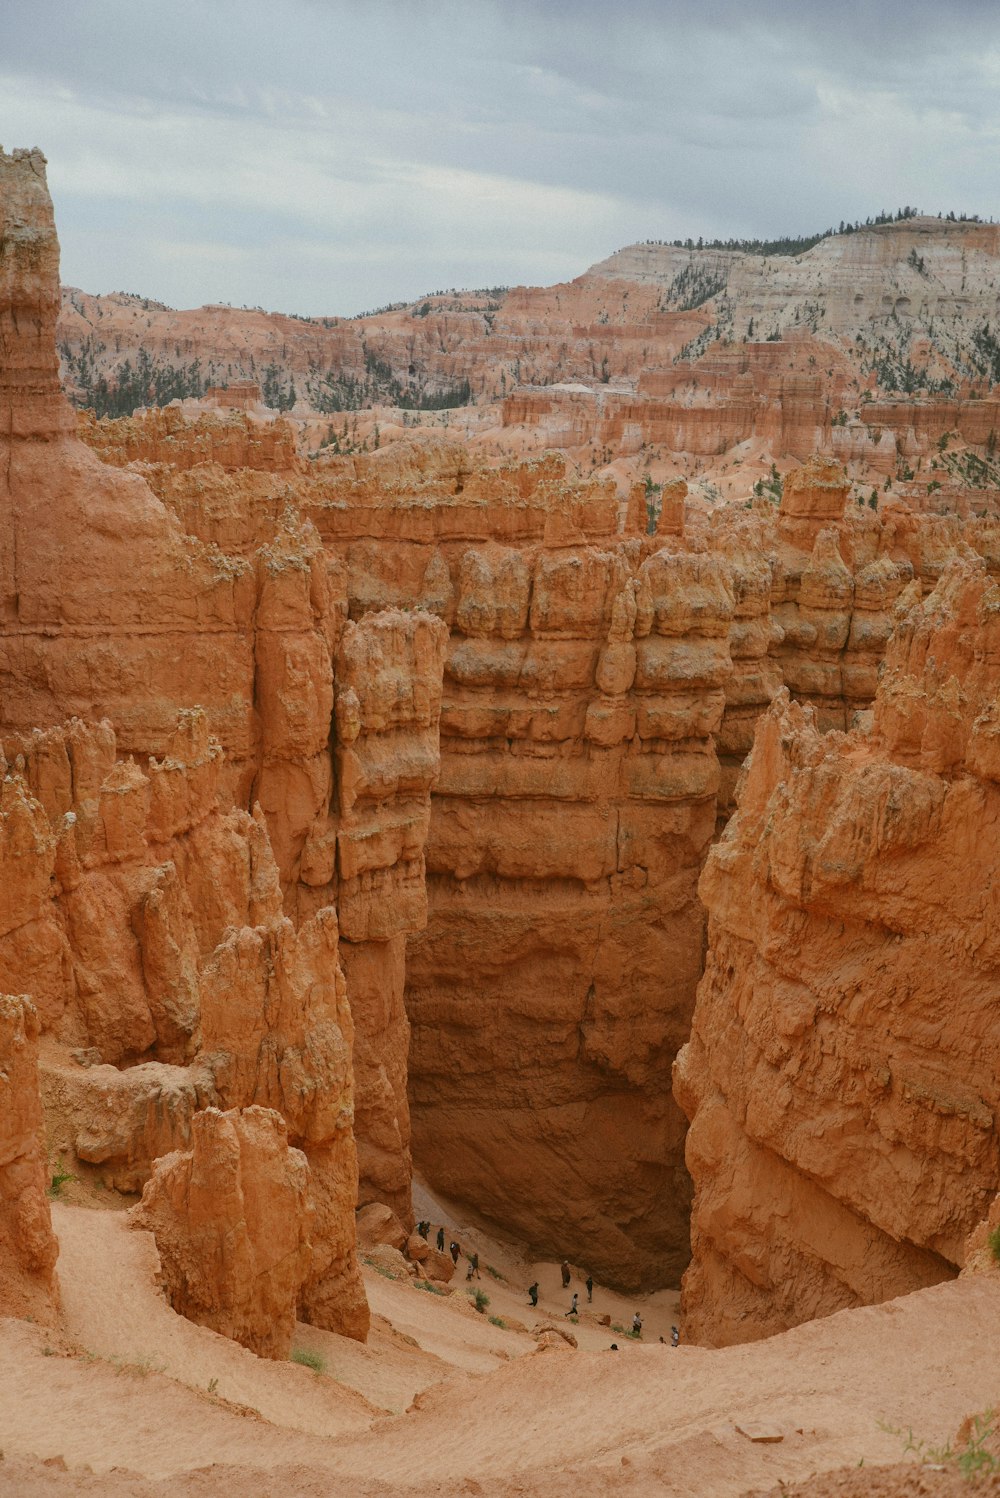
{"x":455,"y":1249}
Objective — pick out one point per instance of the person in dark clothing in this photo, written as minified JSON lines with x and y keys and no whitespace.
{"x":533,"y":1293}
{"x":574,"y":1309}
{"x":423,"y":1228}
{"x":590,"y":1288}
{"x":637,"y":1325}
{"x":565,"y":1275}
{"x":474,"y":1266}
{"x":675,"y":1336}
{"x":454,"y":1250}
{"x":440,"y":1240}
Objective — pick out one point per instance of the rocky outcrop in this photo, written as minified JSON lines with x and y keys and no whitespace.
{"x":602,"y":687}
{"x":148,"y":925}
{"x":164,"y":435}
{"x":842,"y":1070}
{"x":28,"y":1249}
{"x":182,"y":954}
{"x":109,"y":609}
{"x":389,"y":669}
{"x":232,"y":1222}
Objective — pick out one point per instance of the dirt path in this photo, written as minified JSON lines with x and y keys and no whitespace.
{"x":481,"y":1408}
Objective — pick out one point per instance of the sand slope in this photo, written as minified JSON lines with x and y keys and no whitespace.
{"x":490,"y":1415}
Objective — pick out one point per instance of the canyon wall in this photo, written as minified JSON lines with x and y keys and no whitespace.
{"x":842,"y":1072}
{"x":602,"y":687}
{"x":162,"y":674}
{"x":859,"y":305}
{"x":28,"y":1249}
{"x":604,"y":669}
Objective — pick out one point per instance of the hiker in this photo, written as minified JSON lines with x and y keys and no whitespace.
{"x":454,"y":1250}
{"x":440,"y":1240}
{"x":637,"y":1325}
{"x":590,"y":1288}
{"x":468,"y":1272}
{"x":474,"y":1267}
{"x":533,"y":1293}
{"x":675,"y":1336}
{"x":565,"y":1275}
{"x":423,"y":1228}
{"x":574,"y":1309}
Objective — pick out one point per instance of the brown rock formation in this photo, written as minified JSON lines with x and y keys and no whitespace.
{"x":579,"y":659}
{"x":232,"y":1220}
{"x":842,"y":1068}
{"x":388,"y":707}
{"x":148,"y":925}
{"x":576,"y":797}
{"x":28,"y":1248}
{"x":601,"y":688}
{"x":165,"y":435}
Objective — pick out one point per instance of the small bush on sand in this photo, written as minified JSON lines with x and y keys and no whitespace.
{"x":59,"y":1179}
{"x":497,"y":1321}
{"x":309,"y":1359}
{"x":432,"y":1289}
{"x":993,"y":1239}
{"x":480,"y":1299}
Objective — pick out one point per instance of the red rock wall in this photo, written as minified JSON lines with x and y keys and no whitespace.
{"x":28,"y":1249}
{"x":842,"y":1070}
{"x":601,"y":691}
{"x":148,"y":925}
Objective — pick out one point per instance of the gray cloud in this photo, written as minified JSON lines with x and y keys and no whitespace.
{"x":324,"y":156}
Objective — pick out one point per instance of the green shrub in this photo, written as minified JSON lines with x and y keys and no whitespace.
{"x":480,"y":1299}
{"x":432,"y":1289}
{"x":497,"y":1321}
{"x":309,"y":1359}
{"x":494,"y":1272}
{"x":993,"y":1242}
{"x":59,"y":1179}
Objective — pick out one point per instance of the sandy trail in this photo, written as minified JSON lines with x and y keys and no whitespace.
{"x":495,"y":1415}
{"x":921,"y":1362}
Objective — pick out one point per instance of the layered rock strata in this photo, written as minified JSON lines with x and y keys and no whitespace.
{"x":557,"y":975}
{"x":28,"y":1249}
{"x":146,"y":920}
{"x":842,"y":1071}
{"x":232,"y":1218}
{"x":583,"y":683}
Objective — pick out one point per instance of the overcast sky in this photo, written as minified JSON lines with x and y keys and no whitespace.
{"x":327,"y":156}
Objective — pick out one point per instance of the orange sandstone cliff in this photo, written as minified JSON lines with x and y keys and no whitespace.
{"x":842,"y":1072}
{"x":181,"y":952}
{"x":28,"y":1248}
{"x":545,"y":813}
{"x":602,"y":687}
